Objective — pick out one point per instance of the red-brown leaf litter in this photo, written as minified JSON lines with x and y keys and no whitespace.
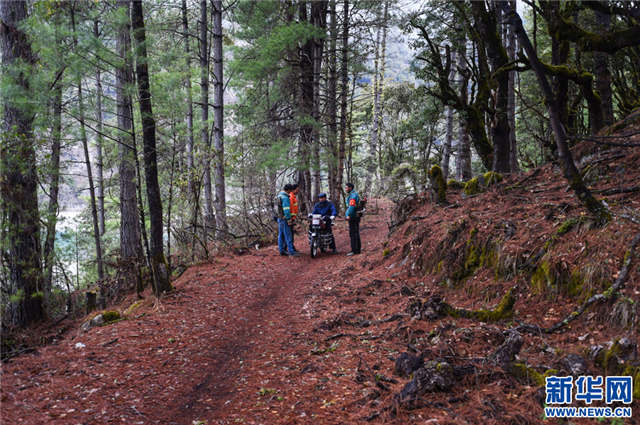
{"x":264,"y":339}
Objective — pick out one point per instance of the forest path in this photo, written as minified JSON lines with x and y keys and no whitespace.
{"x":201,"y":355}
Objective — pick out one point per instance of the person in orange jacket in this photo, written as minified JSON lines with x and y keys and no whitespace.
{"x":293,"y":202}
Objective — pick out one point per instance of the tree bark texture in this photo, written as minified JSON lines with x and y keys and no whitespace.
{"x":344,"y":95}
{"x":130,"y":248}
{"x":193,"y":185}
{"x":18,"y":182}
{"x":463,"y":150}
{"x":446,"y":149}
{"x":218,"y":130}
{"x":54,"y":186}
{"x":159,"y":266}
{"x":332,"y":108}
{"x":99,"y":141}
{"x":511,"y":106}
{"x":319,"y":20}
{"x":486,"y":26}
{"x":603,"y":73}
{"x":209,"y":218}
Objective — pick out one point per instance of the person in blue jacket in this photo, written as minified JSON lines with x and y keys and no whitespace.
{"x":283,"y":209}
{"x":351,"y":203}
{"x":326,"y":209}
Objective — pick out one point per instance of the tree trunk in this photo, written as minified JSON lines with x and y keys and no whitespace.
{"x":18,"y":181}
{"x":54,"y":173}
{"x":209,"y":218}
{"x":463,"y":151}
{"x":511,"y":105}
{"x":170,"y":200}
{"x":446,"y":149}
{"x":54,"y":187}
{"x":99,"y":141}
{"x":193,"y":185}
{"x":159,"y":265}
{"x":602,"y":72}
{"x":571,"y":173}
{"x":332,"y":107}
{"x":486,"y":24}
{"x":344,"y":95}
{"x":130,"y":249}
{"x":305,"y":57}
{"x":87,"y":159}
{"x":319,"y":20}
{"x":218,"y":132}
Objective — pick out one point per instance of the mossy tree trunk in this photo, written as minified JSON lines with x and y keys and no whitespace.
{"x":488,"y":39}
{"x":473,"y":114}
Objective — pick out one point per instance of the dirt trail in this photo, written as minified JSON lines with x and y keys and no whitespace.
{"x":202,"y":355}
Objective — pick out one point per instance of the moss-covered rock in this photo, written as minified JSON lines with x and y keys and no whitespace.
{"x":491,"y":178}
{"x":110,"y":316}
{"x":615,"y":361}
{"x":454,"y":184}
{"x":529,"y":375}
{"x":438,"y":184}
{"x":133,"y":307}
{"x":472,"y":187}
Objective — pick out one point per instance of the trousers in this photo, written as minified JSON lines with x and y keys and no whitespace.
{"x":354,"y":234}
{"x":285,"y":240}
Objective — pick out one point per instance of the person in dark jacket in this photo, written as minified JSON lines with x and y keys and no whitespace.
{"x":285,"y":241}
{"x":351,"y":203}
{"x":326,"y":209}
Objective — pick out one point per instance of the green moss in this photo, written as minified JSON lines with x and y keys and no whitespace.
{"x":567,"y":225}
{"x":110,"y":316}
{"x":531,"y":376}
{"x":503,"y":310}
{"x":608,"y":360}
{"x":633,"y":371}
{"x":438,"y":184}
{"x":472,"y":187}
{"x":491,"y":177}
{"x":542,"y":277}
{"x":455,"y":184}
{"x":576,"y":284}
{"x":133,"y":307}
{"x":386,"y":252}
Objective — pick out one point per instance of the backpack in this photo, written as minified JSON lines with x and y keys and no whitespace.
{"x":362,"y":206}
{"x":278,"y":211}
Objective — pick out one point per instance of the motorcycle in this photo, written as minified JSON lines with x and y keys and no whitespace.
{"x":320,"y":235}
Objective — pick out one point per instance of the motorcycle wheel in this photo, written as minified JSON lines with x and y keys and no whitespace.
{"x":314,"y":248}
